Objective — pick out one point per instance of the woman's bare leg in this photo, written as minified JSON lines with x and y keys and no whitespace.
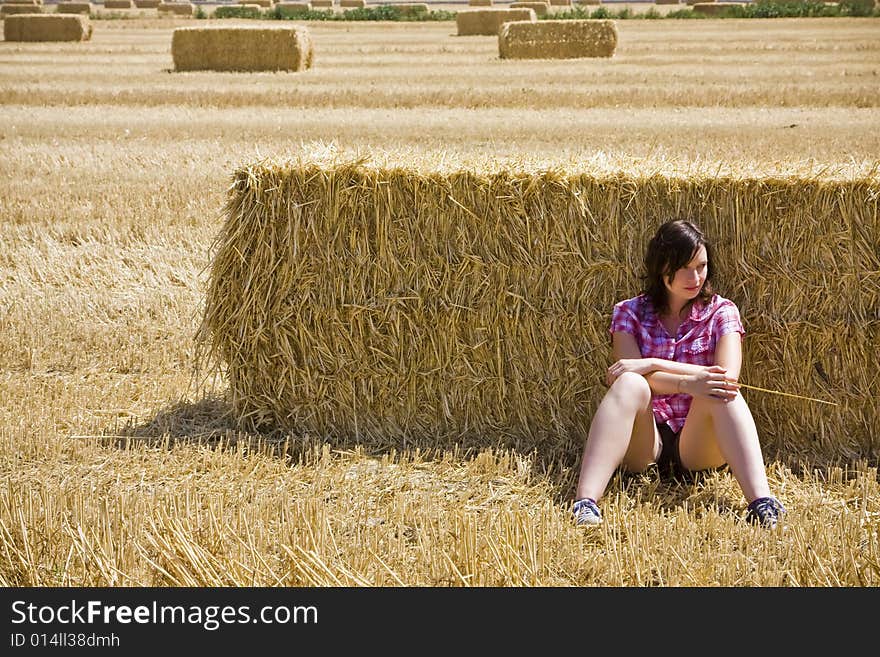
{"x":622,"y":431}
{"x":718,"y":432}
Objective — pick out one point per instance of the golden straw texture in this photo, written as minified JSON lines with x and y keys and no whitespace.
{"x":389,"y":301}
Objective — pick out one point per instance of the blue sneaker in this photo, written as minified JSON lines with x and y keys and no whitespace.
{"x":586,"y":512}
{"x":765,"y":511}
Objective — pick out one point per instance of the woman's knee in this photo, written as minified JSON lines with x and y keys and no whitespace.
{"x":632,"y":386}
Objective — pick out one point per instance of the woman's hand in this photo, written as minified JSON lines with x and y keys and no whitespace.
{"x":641,"y":366}
{"x":711,"y":382}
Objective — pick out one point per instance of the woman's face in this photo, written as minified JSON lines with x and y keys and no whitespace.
{"x":687,"y":282}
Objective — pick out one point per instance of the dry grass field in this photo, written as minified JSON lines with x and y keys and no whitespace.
{"x":116,"y":468}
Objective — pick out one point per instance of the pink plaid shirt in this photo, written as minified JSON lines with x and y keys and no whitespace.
{"x":694,"y":344}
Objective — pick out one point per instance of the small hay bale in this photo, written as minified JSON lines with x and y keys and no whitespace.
{"x":353,"y":4}
{"x":147,"y":4}
{"x":118,"y":4}
{"x":540,"y":8}
{"x":713,"y":8}
{"x":486,"y":22}
{"x":322,"y":4}
{"x":564,"y":39}
{"x":23,"y":2}
{"x":292,"y":8}
{"x":176,"y":8}
{"x":262,"y":3}
{"x":7,"y":10}
{"x":412,"y":9}
{"x":480,"y":3}
{"x":560,"y":3}
{"x":242,"y":48}
{"x":667,"y":2}
{"x":47,"y":27}
{"x":75,"y":8}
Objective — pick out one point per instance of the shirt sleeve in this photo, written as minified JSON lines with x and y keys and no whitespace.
{"x":728,"y":320}
{"x":623,"y":319}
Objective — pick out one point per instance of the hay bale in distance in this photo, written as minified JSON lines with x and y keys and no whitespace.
{"x":8,"y":10}
{"x":540,"y":8}
{"x":412,"y":8}
{"x":353,"y":4}
{"x":23,"y":2}
{"x":667,"y":2}
{"x":263,"y":3}
{"x":47,"y":27}
{"x":393,"y":303}
{"x":322,"y":4}
{"x":486,"y":22}
{"x":563,"y":39}
{"x":560,"y":3}
{"x":75,"y":8}
{"x":242,"y":48}
{"x":713,"y":8}
{"x":480,"y":3}
{"x":176,"y":8}
{"x":118,"y":4}
{"x":293,"y":8}
{"x":147,"y":4}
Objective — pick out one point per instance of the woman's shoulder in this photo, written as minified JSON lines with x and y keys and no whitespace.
{"x":713,"y":306}
{"x":636,"y":304}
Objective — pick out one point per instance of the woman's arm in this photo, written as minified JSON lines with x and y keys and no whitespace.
{"x":628,"y":358}
{"x":718,"y":380}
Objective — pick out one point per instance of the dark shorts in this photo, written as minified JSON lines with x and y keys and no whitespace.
{"x":669,"y":462}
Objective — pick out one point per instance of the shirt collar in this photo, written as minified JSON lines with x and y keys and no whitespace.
{"x":700,"y":310}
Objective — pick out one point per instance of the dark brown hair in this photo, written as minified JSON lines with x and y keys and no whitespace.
{"x":674,"y":245}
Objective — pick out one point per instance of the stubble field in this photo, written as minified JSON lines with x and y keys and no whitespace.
{"x":117,"y":469}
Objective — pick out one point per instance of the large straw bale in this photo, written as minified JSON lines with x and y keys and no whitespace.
{"x":75,"y":8}
{"x":6,"y":10}
{"x":557,"y":39}
{"x":401,"y":304}
{"x":540,"y":8}
{"x":47,"y":27}
{"x":486,"y":22}
{"x":118,"y":4}
{"x":147,"y":4}
{"x":177,"y":8}
{"x":242,"y":48}
{"x":353,"y":4}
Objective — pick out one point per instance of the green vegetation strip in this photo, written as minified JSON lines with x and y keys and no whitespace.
{"x":759,"y":9}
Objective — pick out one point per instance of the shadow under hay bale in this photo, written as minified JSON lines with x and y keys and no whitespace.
{"x":242,"y":48}
{"x":487,"y":22}
{"x":389,"y":303}
{"x":47,"y":27}
{"x":562,"y":39}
